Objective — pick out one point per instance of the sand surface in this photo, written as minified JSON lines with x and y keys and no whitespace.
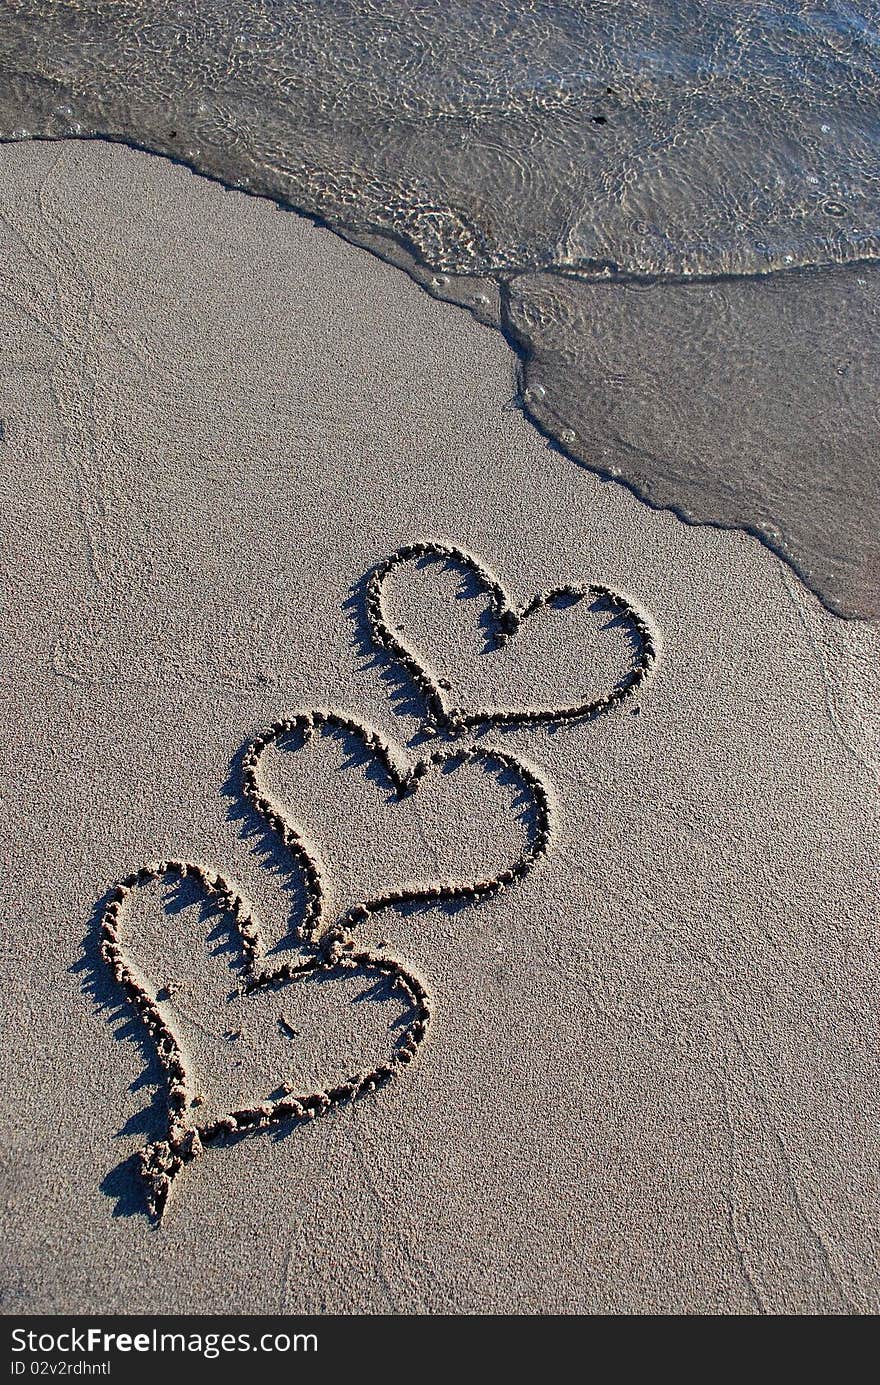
{"x":651,"y":1082}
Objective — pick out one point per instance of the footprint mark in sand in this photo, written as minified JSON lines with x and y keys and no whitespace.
{"x":331,"y":947}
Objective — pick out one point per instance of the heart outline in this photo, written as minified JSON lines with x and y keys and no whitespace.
{"x":508,"y":620}
{"x":332,"y":950}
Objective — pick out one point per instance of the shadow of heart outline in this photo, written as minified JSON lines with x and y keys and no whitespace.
{"x":508,"y":619}
{"x":333,"y":950}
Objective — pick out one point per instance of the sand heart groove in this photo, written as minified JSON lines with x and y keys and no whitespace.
{"x":331,"y":948}
{"x":507,"y":620}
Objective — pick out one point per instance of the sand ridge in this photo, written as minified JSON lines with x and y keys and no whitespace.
{"x":333,"y":950}
{"x":506,"y":618}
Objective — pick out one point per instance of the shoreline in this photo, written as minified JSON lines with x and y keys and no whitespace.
{"x":489,"y":302}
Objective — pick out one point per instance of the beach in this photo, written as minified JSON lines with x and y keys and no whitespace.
{"x":650,"y":1080}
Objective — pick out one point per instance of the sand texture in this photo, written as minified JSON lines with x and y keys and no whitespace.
{"x":609,"y":959}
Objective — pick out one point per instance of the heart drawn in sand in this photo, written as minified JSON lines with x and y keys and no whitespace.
{"x":329,"y":948}
{"x":506,"y":619}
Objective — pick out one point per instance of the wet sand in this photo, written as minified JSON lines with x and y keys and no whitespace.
{"x":650,"y":1080}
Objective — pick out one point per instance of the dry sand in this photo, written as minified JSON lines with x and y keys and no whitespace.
{"x":651,"y":1084}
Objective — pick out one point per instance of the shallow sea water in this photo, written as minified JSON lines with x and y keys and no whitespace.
{"x":545,"y":165}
